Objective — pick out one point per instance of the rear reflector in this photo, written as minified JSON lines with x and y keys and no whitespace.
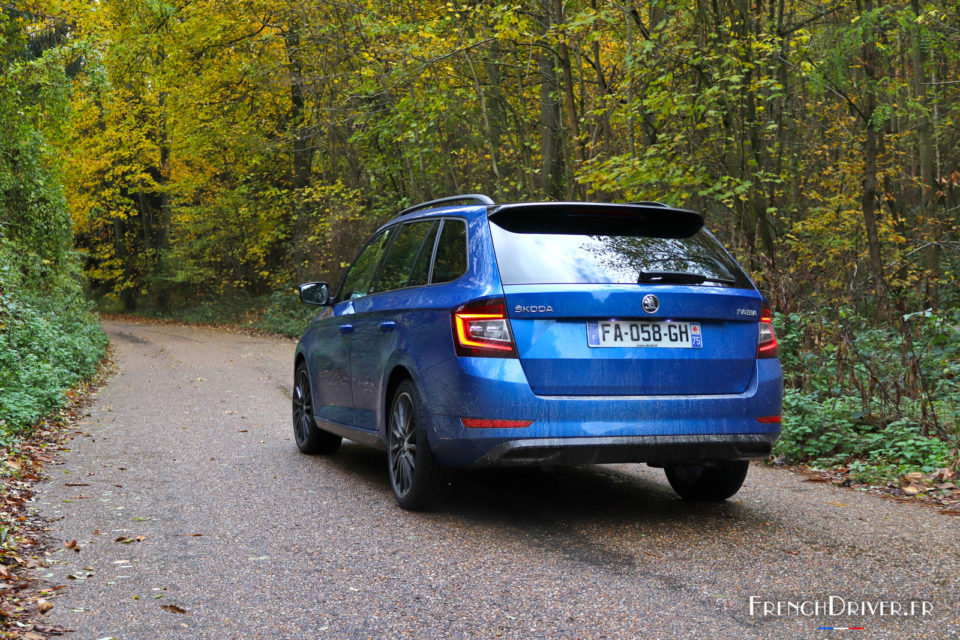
{"x":769,"y":419}
{"x":479,"y":423}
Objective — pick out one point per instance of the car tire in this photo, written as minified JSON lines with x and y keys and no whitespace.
{"x":309,"y":438}
{"x":416,"y":478}
{"x":709,"y":482}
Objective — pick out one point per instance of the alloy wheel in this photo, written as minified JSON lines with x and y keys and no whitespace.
{"x":302,"y":408}
{"x":403,"y":443}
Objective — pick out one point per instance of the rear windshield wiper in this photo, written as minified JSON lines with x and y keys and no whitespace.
{"x":677,"y":277}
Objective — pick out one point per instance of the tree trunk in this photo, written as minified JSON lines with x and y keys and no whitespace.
{"x":570,"y":109}
{"x":551,"y":142}
{"x":925,"y":149}
{"x":302,"y":149}
{"x":871,"y":148}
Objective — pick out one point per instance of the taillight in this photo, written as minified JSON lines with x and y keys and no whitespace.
{"x":767,"y":343}
{"x":481,"y":329}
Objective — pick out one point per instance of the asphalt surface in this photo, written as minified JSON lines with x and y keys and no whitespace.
{"x":189,"y":445}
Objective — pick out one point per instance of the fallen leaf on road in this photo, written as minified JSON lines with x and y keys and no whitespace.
{"x":816,"y":479}
{"x":949,"y":512}
{"x":76,"y":484}
{"x":141,"y":538}
{"x":44,"y":605}
{"x":836,"y":504}
{"x":172,"y":608}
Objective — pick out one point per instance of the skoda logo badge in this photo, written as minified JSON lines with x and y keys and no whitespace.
{"x":650,"y":303}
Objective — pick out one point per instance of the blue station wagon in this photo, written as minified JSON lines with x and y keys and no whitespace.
{"x":468,"y":333}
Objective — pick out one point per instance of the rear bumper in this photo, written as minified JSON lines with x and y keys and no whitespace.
{"x":591,"y":429}
{"x":656,"y":450}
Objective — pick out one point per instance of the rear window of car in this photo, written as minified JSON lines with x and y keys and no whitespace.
{"x":549,"y":247}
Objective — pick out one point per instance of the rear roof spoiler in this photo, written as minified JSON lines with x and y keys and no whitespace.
{"x":647,"y":218}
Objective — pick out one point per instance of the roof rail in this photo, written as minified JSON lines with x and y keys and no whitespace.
{"x":475,"y":198}
{"x":651,"y":203}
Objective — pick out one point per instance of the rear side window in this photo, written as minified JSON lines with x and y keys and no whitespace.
{"x":405,"y":252}
{"x":588,"y":249}
{"x":421,"y":264}
{"x":451,"y":260}
{"x":358,"y":280}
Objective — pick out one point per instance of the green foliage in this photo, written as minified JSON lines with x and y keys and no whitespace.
{"x":49,"y":339}
{"x":884,"y":401}
{"x":46,"y":347}
{"x":283,"y":313}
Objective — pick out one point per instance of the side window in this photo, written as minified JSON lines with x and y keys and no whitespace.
{"x":358,"y":280}
{"x":451,"y":260}
{"x":397,"y":265}
{"x":421,"y":263}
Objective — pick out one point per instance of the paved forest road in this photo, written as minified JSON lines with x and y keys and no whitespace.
{"x":192,"y":436}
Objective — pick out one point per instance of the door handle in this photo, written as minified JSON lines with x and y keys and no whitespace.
{"x":346,"y":328}
{"x":388,"y":326}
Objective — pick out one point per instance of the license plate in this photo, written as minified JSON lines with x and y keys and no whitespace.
{"x":639,"y":333}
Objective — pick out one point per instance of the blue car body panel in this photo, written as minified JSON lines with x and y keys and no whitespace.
{"x":704,"y":401}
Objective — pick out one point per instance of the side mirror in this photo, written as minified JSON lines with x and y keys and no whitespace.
{"x":315,"y":293}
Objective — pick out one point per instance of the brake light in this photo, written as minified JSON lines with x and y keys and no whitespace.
{"x":767,"y":342}
{"x":777,"y":419}
{"x":481,"y":329}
